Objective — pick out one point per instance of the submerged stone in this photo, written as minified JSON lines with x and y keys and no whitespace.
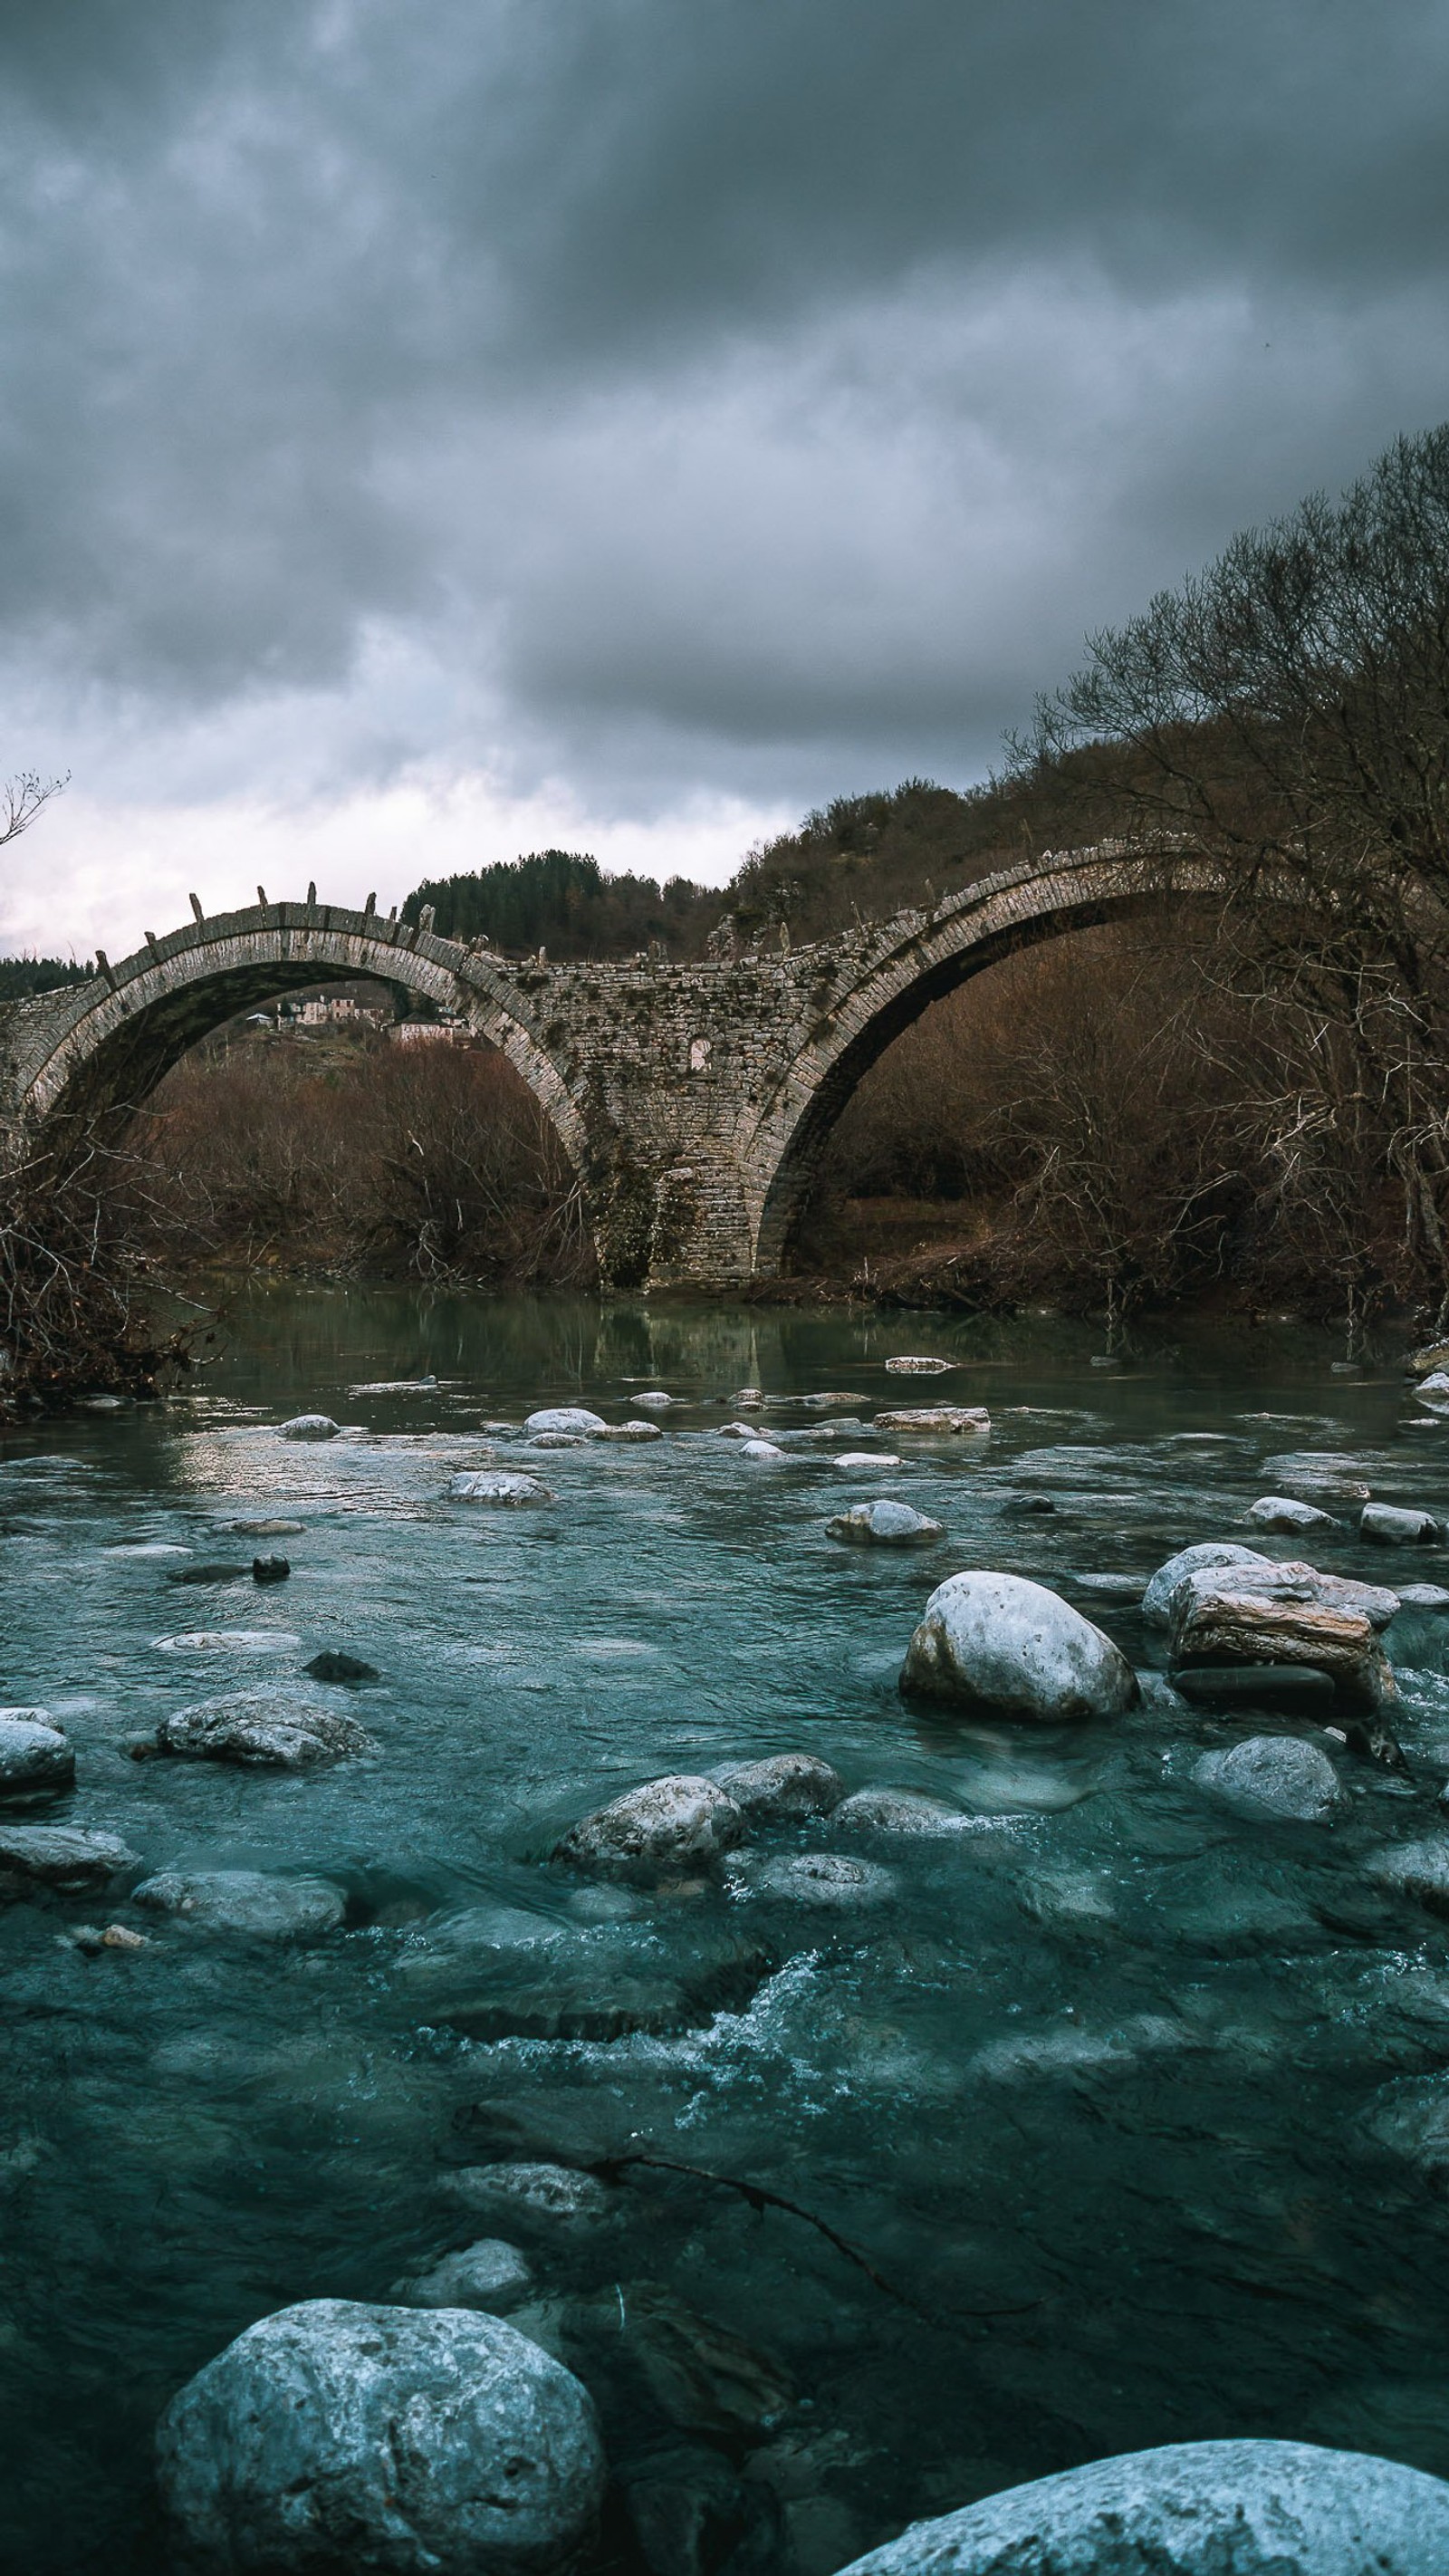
{"x":899,"y":1812}
{"x":491,"y":2274}
{"x":556,"y":2195}
{"x":246,"y":1902}
{"x":1274,"y":1775}
{"x":760,"y":1449}
{"x":834,"y":1879}
{"x":999,"y":1644}
{"x":1419,"y":1869}
{"x":700,"y":2376}
{"x":386,"y":2439}
{"x":1237,"y":2508}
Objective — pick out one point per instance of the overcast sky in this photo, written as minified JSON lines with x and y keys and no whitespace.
{"x":427,"y":433}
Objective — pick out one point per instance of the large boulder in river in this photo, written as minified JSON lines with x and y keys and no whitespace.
{"x":677,"y":1822}
{"x":999,"y":1645}
{"x":311,"y":1426}
{"x":565,"y":1417}
{"x":262,"y":1730}
{"x":1281,"y":1514}
{"x":1158,"y":1597}
{"x":389,"y":2441}
{"x":35,"y":1757}
{"x":966,"y":1421}
{"x":1192,"y":2509}
{"x":1287,"y":1614}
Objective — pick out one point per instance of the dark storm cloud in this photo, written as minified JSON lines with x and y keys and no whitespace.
{"x":729,"y":390}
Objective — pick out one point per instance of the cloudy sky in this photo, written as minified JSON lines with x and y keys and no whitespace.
{"x":428,"y":433}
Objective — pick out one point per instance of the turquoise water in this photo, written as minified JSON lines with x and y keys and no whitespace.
{"x":1080,"y":2139}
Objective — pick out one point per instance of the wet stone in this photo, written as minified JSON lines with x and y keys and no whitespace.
{"x":627,"y":1434}
{"x":1157,"y":1600}
{"x":1417,"y":1869}
{"x":548,"y":2195}
{"x":836,"y":1880}
{"x":334,"y":1666}
{"x":310,"y":1426}
{"x":510,"y":1492}
{"x":784,"y":1788}
{"x":245,"y":1902}
{"x":1280,"y":1512}
{"x":655,"y":1829}
{"x":490,"y":2274}
{"x":1274,"y":1775}
{"x":564,"y":1417}
{"x":270,"y":1569}
{"x":1246,"y":2508}
{"x":269,"y":1529}
{"x":35,"y":1757}
{"x":443,"y":2442}
{"x":899,"y":1813}
{"x":699,"y":2376}
{"x":1393,"y":1526}
{"x":997,"y":1643}
{"x":594,"y":1982}
{"x":884,"y":1524}
{"x":262,"y":1730}
{"x":65,"y":1859}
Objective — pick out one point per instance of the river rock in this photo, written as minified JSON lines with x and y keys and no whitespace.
{"x":558,"y":1440}
{"x":311,"y":1426}
{"x":867,"y":1461}
{"x":698,"y":2375}
{"x":899,"y":1813}
{"x":564,"y":1417}
{"x":760,"y":1449}
{"x":656,"y":1397}
{"x":268,"y":1529}
{"x":246,"y":1902}
{"x":911,"y":1364}
{"x":834,"y":1879}
{"x":1286,"y":1614}
{"x":270,"y":1569}
{"x":1280,"y":1512}
{"x":228,"y":1641}
{"x":334,"y":1666}
{"x":1411,"y":2119}
{"x":1418,"y":1869}
{"x":966,"y":1421}
{"x":783,"y":1788}
{"x":1243,"y":2508}
{"x":65,"y":1859}
{"x":491,"y":2274}
{"x":1157,"y":1599}
{"x":558,"y":2195}
{"x":1394,"y":1526}
{"x":1423,"y":1596}
{"x":672,"y":1823}
{"x":627,"y":1432}
{"x":1434,"y":1389}
{"x":884,"y":1524}
{"x":1319,"y":1471}
{"x":1001,"y":1645}
{"x":262,"y":1730}
{"x":386,"y":2440}
{"x":510,"y":1491}
{"x":1274,"y":1775}
{"x":34,"y":1755}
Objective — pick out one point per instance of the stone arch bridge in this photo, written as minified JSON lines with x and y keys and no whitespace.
{"x":693,"y":1100}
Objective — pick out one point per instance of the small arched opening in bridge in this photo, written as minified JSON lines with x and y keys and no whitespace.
{"x":92,"y":1056}
{"x":936,"y":960}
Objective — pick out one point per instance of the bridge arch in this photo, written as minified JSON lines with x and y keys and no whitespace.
{"x":96,"y":1050}
{"x":916,"y":959}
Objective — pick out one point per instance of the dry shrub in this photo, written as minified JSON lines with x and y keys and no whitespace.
{"x":430,"y":1160}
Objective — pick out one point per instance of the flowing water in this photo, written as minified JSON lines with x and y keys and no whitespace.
{"x":1112,"y":2120}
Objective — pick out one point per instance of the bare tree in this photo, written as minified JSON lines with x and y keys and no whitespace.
{"x":1286,"y":713}
{"x":21,"y":799}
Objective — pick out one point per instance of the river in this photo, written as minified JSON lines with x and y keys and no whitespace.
{"x":1082,"y":2137}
